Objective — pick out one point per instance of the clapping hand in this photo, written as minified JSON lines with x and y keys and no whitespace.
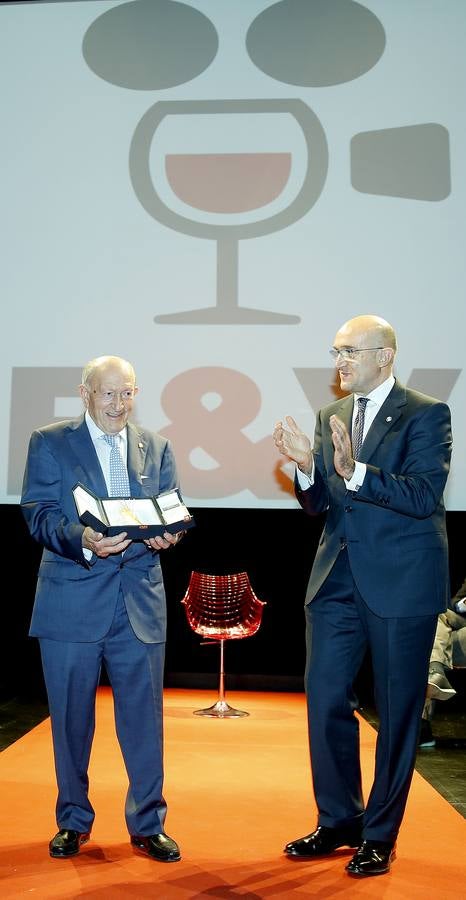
{"x":294,"y":444}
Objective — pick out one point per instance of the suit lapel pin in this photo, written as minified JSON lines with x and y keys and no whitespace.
{"x":388,"y":419}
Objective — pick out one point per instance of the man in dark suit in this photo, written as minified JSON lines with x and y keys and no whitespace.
{"x":100,"y":600}
{"x":379,"y":579}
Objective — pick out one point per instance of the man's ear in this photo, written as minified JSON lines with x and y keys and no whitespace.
{"x":385,"y":356}
{"x":84,"y":393}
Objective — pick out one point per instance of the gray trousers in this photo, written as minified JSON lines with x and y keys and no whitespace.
{"x":450,"y":640}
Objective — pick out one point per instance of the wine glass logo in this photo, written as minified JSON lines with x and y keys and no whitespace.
{"x":203,"y":194}
{"x":230,"y":191}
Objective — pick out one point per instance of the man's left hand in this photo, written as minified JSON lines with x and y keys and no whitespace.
{"x":343,"y":456}
{"x":164,"y":541}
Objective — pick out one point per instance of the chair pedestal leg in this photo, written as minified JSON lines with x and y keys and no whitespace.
{"x":221,"y":709}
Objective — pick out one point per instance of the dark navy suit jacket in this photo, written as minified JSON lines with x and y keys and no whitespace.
{"x":395,"y":524}
{"x":75,"y":600}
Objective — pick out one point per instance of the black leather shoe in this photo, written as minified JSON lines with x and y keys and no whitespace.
{"x":158,"y":846}
{"x":67,"y":842}
{"x":323,"y":841}
{"x":372,"y":858}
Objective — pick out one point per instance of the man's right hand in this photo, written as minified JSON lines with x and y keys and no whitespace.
{"x":294,"y":444}
{"x":104,"y":546}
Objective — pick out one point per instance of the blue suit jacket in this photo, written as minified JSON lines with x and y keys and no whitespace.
{"x":75,"y":600}
{"x":395,"y":524}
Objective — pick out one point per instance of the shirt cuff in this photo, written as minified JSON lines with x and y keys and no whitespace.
{"x":460,"y":606}
{"x":305,"y":481}
{"x":357,"y":478}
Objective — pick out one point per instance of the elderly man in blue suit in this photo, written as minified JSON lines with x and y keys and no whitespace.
{"x":379,"y":580}
{"x":100,"y":600}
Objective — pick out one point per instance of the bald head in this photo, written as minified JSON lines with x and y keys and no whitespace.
{"x":373,"y":329}
{"x":368,"y":346}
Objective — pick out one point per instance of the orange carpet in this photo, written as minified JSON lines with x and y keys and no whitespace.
{"x":237,"y":791}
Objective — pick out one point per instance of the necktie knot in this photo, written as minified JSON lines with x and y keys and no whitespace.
{"x":358,"y":429}
{"x":119,"y":481}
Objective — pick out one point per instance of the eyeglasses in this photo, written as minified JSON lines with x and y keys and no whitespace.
{"x":111,"y":396}
{"x":350,"y":352}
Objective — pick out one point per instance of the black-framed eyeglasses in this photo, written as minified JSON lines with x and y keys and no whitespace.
{"x":350,"y":352}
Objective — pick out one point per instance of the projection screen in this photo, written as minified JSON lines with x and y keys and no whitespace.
{"x":210,"y":189}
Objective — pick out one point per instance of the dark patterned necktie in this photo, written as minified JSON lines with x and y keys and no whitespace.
{"x":358,"y":428}
{"x":119,"y":481}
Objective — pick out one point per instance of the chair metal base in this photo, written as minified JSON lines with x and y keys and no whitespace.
{"x":221,"y":710}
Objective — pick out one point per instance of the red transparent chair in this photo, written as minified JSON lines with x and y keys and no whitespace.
{"x":222,"y":608}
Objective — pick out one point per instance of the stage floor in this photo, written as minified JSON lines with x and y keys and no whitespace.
{"x":237,"y":791}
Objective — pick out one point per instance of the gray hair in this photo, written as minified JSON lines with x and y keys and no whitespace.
{"x":103,"y":362}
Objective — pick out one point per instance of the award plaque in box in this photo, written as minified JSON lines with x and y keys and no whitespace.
{"x":140,"y":517}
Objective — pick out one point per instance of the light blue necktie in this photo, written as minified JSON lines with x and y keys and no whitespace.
{"x":119,"y":481}
{"x":358,"y":430}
